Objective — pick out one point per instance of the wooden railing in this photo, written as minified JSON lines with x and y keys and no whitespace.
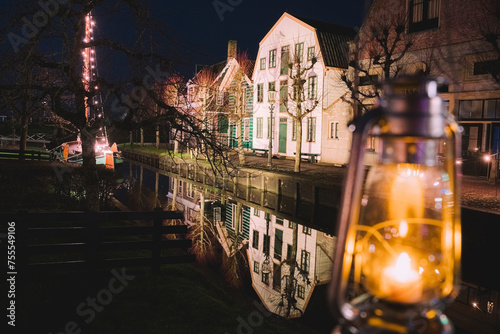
{"x":85,"y":241}
{"x":28,"y":155}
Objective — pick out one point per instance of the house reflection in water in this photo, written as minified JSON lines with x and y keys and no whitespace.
{"x":289,"y":264}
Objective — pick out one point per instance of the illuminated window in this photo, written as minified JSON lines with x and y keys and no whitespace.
{"x":263,"y":63}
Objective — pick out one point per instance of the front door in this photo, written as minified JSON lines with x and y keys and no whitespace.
{"x":282,"y":135}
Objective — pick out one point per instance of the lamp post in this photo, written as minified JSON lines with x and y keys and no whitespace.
{"x":399,"y":242}
{"x":271,"y":95}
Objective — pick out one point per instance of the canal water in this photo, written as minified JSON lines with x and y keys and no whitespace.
{"x":267,"y":228}
{"x":264,"y":239}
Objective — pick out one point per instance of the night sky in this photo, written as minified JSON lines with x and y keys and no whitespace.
{"x":201,"y":31}
{"x":197,"y":31}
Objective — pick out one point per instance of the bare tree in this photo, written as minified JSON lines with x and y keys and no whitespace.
{"x":62,"y":36}
{"x":376,"y":54}
{"x":302,"y":99}
{"x":240,"y":96}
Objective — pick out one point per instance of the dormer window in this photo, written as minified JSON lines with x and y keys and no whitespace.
{"x":424,"y":15}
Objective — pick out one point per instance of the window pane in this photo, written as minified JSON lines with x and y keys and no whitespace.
{"x":418,"y":11}
{"x":470,"y":109}
{"x":278,"y":244}
{"x":285,"y":55}
{"x":262,"y":63}
{"x":490,"y":107}
{"x":255,"y":239}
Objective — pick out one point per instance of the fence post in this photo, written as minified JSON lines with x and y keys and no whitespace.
{"x":92,"y":241}
{"x":156,"y":251}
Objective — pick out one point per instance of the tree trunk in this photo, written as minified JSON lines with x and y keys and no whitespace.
{"x":298,"y":147}
{"x":239,"y":136}
{"x":175,"y":191}
{"x":131,"y":138}
{"x":24,"y":136}
{"x":157,"y":137}
{"x":90,"y":170}
{"x":202,"y":215}
{"x":142,"y":137}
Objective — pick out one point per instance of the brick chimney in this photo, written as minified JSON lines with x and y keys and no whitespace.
{"x":232,"y":48}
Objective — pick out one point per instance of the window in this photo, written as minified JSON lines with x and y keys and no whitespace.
{"x":260,"y":92}
{"x":266,"y":244}
{"x":181,"y":184}
{"x":368,"y":80}
{"x":271,"y":86}
{"x":277,"y":279}
{"x":258,"y":132}
{"x":283,"y":95}
{"x":289,"y":249}
{"x":220,"y":98}
{"x":279,"y":221}
{"x":424,"y":14}
{"x":311,"y":129}
{"x":291,"y":224}
{"x":312,"y":84}
{"x":285,"y":59}
{"x":272,"y":58}
{"x":256,"y":212}
{"x":305,"y":261}
{"x":190,"y":190}
{"x":294,"y":130}
{"x":301,"y":291}
{"x":255,"y":239}
{"x":217,"y":214}
{"x":265,"y":278}
{"x":246,"y":129}
{"x":306,"y":230}
{"x":270,"y":127}
{"x":256,"y":267}
{"x":311,"y":52}
{"x":334,"y":130}
{"x":479,"y":109}
{"x":263,"y":63}
{"x":299,"y":51}
{"x":470,"y":109}
{"x":278,"y":244}
{"x":486,"y":67}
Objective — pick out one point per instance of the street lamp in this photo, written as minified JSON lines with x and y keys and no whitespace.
{"x":492,"y":173}
{"x":399,"y":240}
{"x":271,"y":96}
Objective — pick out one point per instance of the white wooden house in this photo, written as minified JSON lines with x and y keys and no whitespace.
{"x":325,"y":128}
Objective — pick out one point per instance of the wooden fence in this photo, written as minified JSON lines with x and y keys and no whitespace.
{"x":28,"y":155}
{"x":84,"y":243}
